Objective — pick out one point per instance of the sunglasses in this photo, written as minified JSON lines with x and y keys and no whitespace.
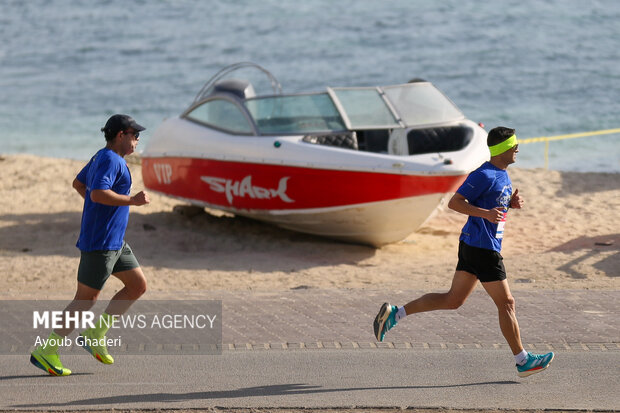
{"x":135,"y":134}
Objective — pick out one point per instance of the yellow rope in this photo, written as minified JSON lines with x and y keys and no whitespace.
{"x":547,"y":139}
{"x":569,"y":136}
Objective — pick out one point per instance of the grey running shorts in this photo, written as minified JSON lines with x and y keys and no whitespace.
{"x":486,"y":265}
{"x":96,"y":266}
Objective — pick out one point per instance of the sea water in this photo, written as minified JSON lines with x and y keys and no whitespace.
{"x":544,"y":67}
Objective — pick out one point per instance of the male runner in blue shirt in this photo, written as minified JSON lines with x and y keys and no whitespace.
{"x":105,"y":184}
{"x":485,"y":196}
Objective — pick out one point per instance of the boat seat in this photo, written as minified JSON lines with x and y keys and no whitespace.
{"x":439,"y":139}
{"x":430,"y":140}
{"x":340,"y":140}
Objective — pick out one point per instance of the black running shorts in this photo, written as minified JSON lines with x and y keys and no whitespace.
{"x":96,"y":266}
{"x":486,"y":265}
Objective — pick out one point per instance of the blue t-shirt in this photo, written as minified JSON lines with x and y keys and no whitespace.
{"x":487,"y":187}
{"x":103,"y":226}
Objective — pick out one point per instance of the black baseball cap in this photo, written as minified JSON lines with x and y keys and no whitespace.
{"x":118,"y":123}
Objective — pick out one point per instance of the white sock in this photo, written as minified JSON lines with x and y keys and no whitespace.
{"x":521,"y":358}
{"x":401,"y":313}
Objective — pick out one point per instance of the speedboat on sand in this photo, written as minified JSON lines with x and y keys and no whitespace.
{"x":361,"y":164}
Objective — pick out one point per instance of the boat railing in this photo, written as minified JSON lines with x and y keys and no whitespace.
{"x":207,"y":88}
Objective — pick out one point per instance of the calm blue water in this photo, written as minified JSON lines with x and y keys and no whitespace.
{"x":542,"y":67}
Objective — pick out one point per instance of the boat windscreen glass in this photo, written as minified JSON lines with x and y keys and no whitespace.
{"x":422,"y":104}
{"x":295,"y":114}
{"x":222,"y":114}
{"x":365,"y":108}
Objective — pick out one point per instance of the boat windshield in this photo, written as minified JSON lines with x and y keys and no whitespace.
{"x":295,"y":114}
{"x":365,"y":108}
{"x":422,"y":104}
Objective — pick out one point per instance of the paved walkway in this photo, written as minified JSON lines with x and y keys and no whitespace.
{"x":574,"y":320}
{"x":298,"y":380}
{"x":567,"y":320}
{"x":315,"y":349}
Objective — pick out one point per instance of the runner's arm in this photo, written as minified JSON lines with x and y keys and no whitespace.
{"x":459,"y":204}
{"x":109,"y":197}
{"x":80,"y":187}
{"x":516,"y":201}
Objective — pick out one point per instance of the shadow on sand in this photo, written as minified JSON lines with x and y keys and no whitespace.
{"x":593,"y":250}
{"x":174,"y":240}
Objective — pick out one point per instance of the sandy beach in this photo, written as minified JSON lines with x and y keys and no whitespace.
{"x":566,"y":237}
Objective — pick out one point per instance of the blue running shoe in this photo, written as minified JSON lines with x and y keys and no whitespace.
{"x":385,"y":320}
{"x":535,"y":364}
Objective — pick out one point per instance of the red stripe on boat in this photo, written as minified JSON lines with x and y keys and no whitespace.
{"x":280,"y":187}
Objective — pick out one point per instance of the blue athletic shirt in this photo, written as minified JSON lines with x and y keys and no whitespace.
{"x":487,"y":187}
{"x":103,"y":226}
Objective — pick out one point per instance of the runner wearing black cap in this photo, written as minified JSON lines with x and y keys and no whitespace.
{"x":105,"y":184}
